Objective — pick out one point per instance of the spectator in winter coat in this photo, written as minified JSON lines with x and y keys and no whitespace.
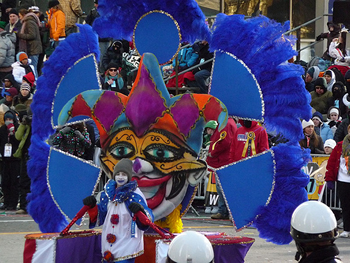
{"x":24,"y":97}
{"x":248,"y":134}
{"x":311,"y":140}
{"x":320,"y":96}
{"x":113,"y":79}
{"x":202,"y":73}
{"x":9,"y":95}
{"x":29,"y":37}
{"x":8,"y":82}
{"x":334,"y":32}
{"x":11,"y":164}
{"x":321,"y":129}
{"x":338,"y":92}
{"x":6,"y":7}
{"x":114,"y":54}
{"x":218,"y":156}
{"x":22,"y":67}
{"x":72,"y":10}
{"x":7,"y":51}
{"x":56,"y":23}
{"x":311,"y":75}
{"x":333,"y":119}
{"x":14,"y":25}
{"x":329,"y":75}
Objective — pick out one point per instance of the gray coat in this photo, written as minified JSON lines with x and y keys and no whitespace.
{"x":31,"y":35}
{"x":7,"y":49}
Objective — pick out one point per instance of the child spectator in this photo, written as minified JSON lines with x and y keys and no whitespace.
{"x":11,"y":164}
{"x":329,"y":146}
{"x":118,"y":210}
{"x":311,"y":140}
{"x":338,"y":92}
{"x":321,"y":128}
{"x":320,"y":96}
{"x":22,"y":67}
{"x":334,"y":119}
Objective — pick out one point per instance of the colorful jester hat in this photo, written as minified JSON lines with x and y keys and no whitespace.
{"x":162,"y":135}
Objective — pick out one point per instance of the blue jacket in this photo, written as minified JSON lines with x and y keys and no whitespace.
{"x":325,"y":132}
{"x":187,"y":58}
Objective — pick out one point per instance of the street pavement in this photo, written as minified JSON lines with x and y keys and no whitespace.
{"x":14,"y":227}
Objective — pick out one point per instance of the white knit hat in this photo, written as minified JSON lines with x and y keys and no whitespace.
{"x":307,"y":123}
{"x":330,"y":143}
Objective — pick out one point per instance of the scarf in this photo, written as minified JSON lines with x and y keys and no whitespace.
{"x":346,"y":151}
{"x":121,"y":193}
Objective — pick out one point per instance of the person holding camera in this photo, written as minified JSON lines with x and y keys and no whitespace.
{"x":23,"y":135}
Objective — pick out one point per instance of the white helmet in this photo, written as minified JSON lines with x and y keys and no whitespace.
{"x":190,"y":247}
{"x":312,"y":222}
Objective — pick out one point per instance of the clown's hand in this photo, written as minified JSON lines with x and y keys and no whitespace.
{"x":90,"y":201}
{"x":135,"y":207}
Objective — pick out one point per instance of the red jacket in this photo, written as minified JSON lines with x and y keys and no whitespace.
{"x":333,"y":163}
{"x":261,"y":141}
{"x":219,"y":150}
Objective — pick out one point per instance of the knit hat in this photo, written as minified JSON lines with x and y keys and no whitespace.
{"x":321,"y":82}
{"x":334,"y":110}
{"x":11,"y":92}
{"x":25,"y":86}
{"x":30,"y":78}
{"x":124,"y":165}
{"x":21,"y":108}
{"x":13,"y":12}
{"x":53,"y":3}
{"x":305,"y":123}
{"x":330,"y":143}
{"x":9,"y":115}
{"x":34,"y":9}
{"x":317,"y":115}
{"x":112,"y":65}
{"x":2,"y":24}
{"x":314,"y":71}
{"x":21,"y":55}
{"x":211,"y":125}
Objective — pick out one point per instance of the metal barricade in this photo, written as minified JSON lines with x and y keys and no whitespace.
{"x":330,"y":197}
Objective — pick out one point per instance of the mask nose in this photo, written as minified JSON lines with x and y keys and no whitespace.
{"x":141,"y":166}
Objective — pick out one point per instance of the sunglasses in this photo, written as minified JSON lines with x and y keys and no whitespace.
{"x":113,"y":69}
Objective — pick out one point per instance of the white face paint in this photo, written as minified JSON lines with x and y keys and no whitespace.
{"x":121,"y":178}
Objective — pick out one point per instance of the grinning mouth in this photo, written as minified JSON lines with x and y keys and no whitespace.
{"x":153,"y":188}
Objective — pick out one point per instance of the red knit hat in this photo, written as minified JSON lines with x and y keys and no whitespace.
{"x":29,"y":78}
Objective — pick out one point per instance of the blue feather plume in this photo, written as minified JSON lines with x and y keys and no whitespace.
{"x":273,"y":222}
{"x":41,"y":206}
{"x":118,"y":18}
{"x":260,"y":44}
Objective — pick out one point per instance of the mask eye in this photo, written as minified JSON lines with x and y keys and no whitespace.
{"x":122,"y":150}
{"x":160,"y":152}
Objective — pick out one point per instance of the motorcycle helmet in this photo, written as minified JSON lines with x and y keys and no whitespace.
{"x":190,"y":247}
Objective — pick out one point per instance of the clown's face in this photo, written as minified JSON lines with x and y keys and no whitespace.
{"x":165,"y":166}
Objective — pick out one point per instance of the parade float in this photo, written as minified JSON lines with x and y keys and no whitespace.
{"x":251,"y":79}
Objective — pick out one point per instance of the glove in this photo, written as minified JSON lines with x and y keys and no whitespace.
{"x":318,"y":38}
{"x":332,"y":123}
{"x":90,"y":201}
{"x":65,"y":130}
{"x":135,"y":207}
{"x":11,"y":128}
{"x":78,"y":134}
{"x":330,"y":185}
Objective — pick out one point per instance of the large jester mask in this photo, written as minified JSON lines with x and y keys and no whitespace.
{"x":161,"y":134}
